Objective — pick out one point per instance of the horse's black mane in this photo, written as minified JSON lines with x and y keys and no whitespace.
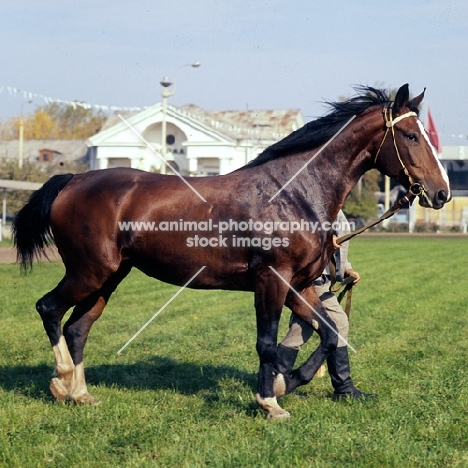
{"x":317,"y":132}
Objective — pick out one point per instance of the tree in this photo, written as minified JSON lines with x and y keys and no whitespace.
{"x":41,"y":124}
{"x":361,"y":202}
{"x":31,"y":173}
{"x":76,"y":123}
{"x":55,"y":122}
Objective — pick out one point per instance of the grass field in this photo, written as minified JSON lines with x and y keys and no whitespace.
{"x":182,"y":394}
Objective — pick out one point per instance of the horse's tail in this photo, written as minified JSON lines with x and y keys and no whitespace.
{"x":31,"y":226}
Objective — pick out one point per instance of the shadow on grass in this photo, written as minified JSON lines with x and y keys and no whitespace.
{"x":154,"y":374}
{"x":166,"y":373}
{"x":30,"y":381}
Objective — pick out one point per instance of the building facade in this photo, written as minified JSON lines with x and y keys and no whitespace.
{"x":198,"y":142}
{"x":454,"y":215}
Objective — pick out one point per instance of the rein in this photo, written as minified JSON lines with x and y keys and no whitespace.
{"x":408,"y":198}
{"x":347,"y":290}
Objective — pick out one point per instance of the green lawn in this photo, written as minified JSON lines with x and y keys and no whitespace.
{"x":182,"y":394}
{"x":6,"y":243}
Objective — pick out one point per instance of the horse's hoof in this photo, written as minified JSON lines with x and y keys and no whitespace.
{"x":278,"y":416}
{"x":270,"y":405}
{"x":86,"y":399}
{"x":58,"y":390}
{"x":321,"y":372}
{"x":279,"y":386}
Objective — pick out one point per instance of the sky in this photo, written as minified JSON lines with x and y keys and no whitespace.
{"x":255,"y":54}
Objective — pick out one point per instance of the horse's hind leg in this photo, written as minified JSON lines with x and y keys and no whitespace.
{"x":52,"y":307}
{"x":77,"y":328}
{"x":76,"y":331}
{"x":90,"y":298}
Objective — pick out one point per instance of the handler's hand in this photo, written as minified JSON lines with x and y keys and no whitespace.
{"x":353,"y":273}
{"x":335,"y":244}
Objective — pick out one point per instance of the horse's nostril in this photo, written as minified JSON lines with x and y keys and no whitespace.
{"x":442,"y":196}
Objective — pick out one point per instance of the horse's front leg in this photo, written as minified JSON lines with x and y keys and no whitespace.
{"x":270,"y":294}
{"x":309,"y":308}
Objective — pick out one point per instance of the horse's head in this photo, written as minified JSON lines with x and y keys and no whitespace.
{"x":406,"y":153}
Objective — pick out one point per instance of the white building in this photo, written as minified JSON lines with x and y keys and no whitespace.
{"x":455,"y":213}
{"x":200,"y":142}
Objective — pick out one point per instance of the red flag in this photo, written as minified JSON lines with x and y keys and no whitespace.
{"x":433,"y":133}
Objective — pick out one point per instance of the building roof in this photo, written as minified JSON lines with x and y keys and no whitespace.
{"x":67,"y":150}
{"x":272,"y":124}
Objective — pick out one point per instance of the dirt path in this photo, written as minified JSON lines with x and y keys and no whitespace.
{"x":8,"y":254}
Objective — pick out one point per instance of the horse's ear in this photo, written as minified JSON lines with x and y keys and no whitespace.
{"x":401,"y":98}
{"x":414,"y":103}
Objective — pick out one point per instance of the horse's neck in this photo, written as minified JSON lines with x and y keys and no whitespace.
{"x":329,"y":178}
{"x":327,"y":184}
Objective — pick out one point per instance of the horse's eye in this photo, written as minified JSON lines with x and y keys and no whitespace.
{"x":412,"y":137}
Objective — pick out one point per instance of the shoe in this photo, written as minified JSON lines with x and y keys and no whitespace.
{"x":354,"y":393}
{"x":340,"y":374}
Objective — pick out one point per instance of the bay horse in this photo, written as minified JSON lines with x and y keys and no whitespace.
{"x":306,"y":176}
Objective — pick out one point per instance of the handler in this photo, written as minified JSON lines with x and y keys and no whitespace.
{"x":300,"y":331}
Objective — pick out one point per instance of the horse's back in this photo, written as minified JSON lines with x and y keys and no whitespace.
{"x":103,"y":218}
{"x":84,"y":217}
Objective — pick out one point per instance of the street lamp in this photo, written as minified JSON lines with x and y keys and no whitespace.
{"x":169,"y":89}
{"x":21,"y":136}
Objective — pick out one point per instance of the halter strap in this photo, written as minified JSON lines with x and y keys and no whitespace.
{"x":416,"y":188}
{"x":391,"y":123}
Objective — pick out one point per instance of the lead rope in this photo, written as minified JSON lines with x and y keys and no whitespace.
{"x":347,"y":284}
{"x":408,"y":198}
{"x":415,"y":189}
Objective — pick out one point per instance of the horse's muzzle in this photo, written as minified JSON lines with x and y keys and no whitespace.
{"x":438,"y":201}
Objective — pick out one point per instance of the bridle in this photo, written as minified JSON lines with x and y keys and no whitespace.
{"x":415,"y":187}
